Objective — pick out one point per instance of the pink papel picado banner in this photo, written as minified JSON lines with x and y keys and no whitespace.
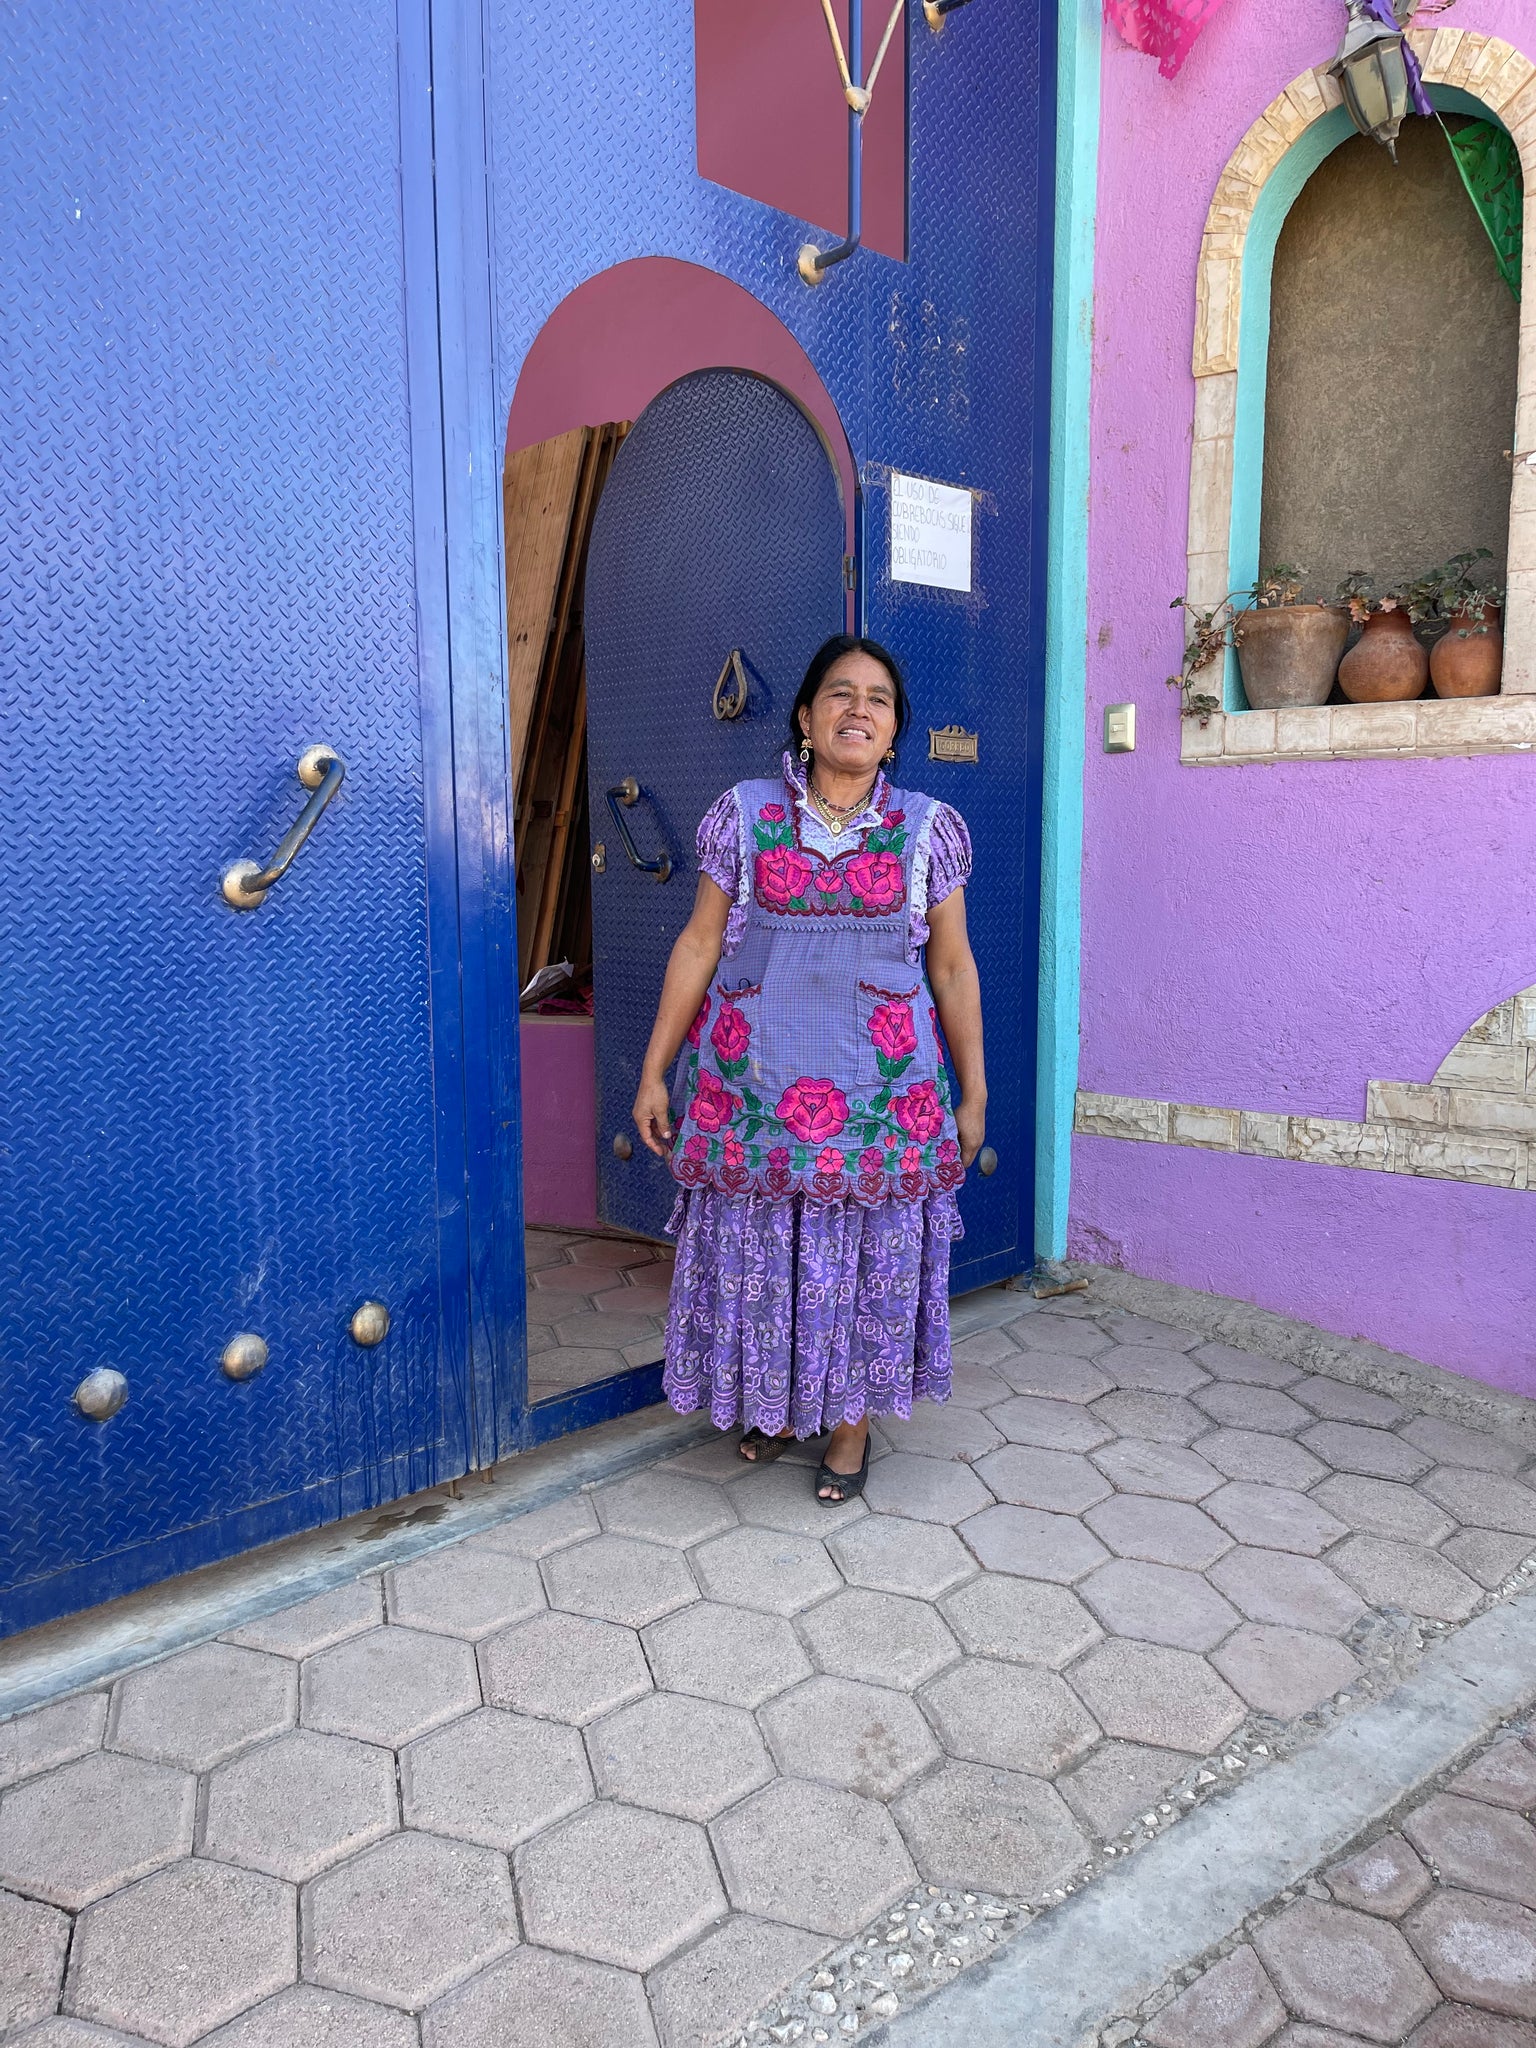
{"x":1165,"y":29}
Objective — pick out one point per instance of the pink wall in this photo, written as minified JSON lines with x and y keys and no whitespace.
{"x":772,"y":121}
{"x":559,"y":1063}
{"x":616,"y":341}
{"x":1270,"y":938}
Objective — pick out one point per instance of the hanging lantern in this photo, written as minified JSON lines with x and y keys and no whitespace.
{"x":1373,"y":74}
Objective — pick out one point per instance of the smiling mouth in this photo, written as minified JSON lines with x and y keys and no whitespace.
{"x":853,"y":732}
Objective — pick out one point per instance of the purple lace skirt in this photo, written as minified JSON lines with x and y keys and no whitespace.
{"x":814,"y":1313}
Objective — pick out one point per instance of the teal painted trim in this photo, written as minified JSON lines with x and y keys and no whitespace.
{"x":1066,"y":634}
{"x":1279,"y":194}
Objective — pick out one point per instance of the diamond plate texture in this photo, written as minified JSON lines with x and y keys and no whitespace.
{"x":937,"y":366}
{"x":211,"y":1122}
{"x":721,"y":526}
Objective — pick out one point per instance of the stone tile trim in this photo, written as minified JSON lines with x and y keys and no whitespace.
{"x":1475,"y":1121}
{"x":1432,"y":729}
{"x":1504,"y":79}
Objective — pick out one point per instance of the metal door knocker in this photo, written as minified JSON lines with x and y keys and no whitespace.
{"x":732,"y":704}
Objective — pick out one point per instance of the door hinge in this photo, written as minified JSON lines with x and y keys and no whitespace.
{"x":850,"y":572}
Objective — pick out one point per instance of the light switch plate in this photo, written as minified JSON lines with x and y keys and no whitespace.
{"x":1120,"y":728}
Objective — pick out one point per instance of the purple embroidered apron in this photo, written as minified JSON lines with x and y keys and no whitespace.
{"x":814,"y":1065}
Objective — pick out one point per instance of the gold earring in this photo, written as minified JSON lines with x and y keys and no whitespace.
{"x":805,"y":750}
{"x":890,"y":754}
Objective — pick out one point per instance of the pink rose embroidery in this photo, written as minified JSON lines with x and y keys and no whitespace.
{"x":731,"y":1034}
{"x":829,"y":1160}
{"x":919,"y":1112}
{"x":891,"y":1028}
{"x":892,"y":1141}
{"x":777,"y":1177}
{"x":912,"y":1159}
{"x":829,"y":881}
{"x":876,"y":879}
{"x":691,"y":1162}
{"x":714,"y":1106}
{"x":950,"y":1171}
{"x":871,"y":1160}
{"x":895,"y":818}
{"x":812,"y":1111}
{"x":782,"y":874}
{"x":735,"y":1152}
{"x":696,"y":1028}
{"x":772,"y":814}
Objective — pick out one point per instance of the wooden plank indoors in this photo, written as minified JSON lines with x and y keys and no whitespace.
{"x":551,"y":835}
{"x":554,"y":881}
{"x":538,"y":496}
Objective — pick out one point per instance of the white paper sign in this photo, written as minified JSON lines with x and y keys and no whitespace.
{"x":930,"y":533}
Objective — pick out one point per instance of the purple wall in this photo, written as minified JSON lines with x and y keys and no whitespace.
{"x":1270,"y":938}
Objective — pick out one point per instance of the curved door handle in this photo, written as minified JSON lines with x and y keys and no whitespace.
{"x":731,"y":703}
{"x":245,"y":885}
{"x":627,"y":793}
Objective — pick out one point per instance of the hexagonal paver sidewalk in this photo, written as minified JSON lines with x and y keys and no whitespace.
{"x":625,"y":1767}
{"x":408,"y":1919}
{"x":1423,"y":1936}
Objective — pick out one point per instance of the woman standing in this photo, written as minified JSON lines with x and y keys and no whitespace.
{"x":811,"y":1126}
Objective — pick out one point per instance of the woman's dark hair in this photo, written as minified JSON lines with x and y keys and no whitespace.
{"x":821,"y":661}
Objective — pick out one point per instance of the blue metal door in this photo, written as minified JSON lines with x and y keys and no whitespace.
{"x":721,"y":528}
{"x":215,"y":1122}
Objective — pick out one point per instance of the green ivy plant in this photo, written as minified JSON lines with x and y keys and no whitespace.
{"x":1210,"y":633}
{"x":1450,"y":590}
{"x":1362,"y":598}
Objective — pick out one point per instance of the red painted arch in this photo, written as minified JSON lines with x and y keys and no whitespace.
{"x":624,"y":335}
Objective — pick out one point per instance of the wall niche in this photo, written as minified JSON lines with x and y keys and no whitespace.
{"x":1392,"y":370}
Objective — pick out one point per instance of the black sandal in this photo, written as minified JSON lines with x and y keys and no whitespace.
{"x":851,"y":1484}
{"x":765,"y":1448}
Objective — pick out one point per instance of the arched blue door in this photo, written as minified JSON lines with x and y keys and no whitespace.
{"x":721,"y":528}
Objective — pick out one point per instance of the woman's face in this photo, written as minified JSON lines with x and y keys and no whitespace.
{"x":851,"y":721}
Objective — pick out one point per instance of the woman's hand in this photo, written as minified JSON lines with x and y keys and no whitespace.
{"x":653,"y":1117}
{"x":971,"y":1127}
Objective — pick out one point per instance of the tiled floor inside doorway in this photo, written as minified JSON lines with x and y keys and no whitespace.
{"x":596,"y":1306}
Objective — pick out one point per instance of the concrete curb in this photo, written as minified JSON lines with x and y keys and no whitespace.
{"x":101,"y":1643}
{"x":1111,"y":1946}
{"x":1429,"y":1388}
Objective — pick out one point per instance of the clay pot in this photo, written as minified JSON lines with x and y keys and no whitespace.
{"x":1386,"y":664}
{"x":1468,"y":658}
{"x":1289,"y":653}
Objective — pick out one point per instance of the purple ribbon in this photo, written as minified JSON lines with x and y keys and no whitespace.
{"x":1381,"y":10}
